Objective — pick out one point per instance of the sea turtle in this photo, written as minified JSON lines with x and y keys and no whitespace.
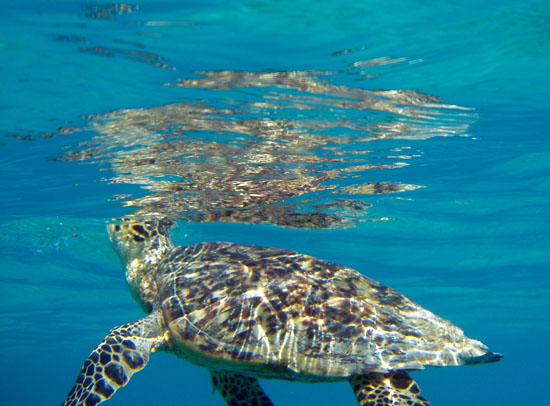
{"x":247,"y":312}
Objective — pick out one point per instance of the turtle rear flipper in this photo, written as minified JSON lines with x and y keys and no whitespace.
{"x":239,"y":390}
{"x":110,"y":366}
{"x":392,"y":388}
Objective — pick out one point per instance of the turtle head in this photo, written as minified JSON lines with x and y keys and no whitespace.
{"x":141,"y":244}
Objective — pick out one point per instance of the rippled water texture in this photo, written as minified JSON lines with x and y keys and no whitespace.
{"x":407,"y":140}
{"x":290,"y":155}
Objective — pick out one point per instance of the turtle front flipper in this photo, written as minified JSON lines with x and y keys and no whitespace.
{"x":239,"y":390}
{"x":110,"y":366}
{"x":392,"y":388}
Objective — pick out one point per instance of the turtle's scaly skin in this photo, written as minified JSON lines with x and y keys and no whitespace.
{"x":110,"y":366}
{"x":375,"y":389}
{"x":246,"y":311}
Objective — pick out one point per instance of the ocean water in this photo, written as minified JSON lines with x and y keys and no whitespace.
{"x":406,"y":139}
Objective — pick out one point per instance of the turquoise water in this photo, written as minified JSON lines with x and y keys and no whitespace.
{"x":464,"y":232}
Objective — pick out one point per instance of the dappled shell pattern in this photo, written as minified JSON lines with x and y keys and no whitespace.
{"x":277,"y":313}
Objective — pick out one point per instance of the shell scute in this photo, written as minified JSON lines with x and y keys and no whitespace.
{"x":277,"y":312}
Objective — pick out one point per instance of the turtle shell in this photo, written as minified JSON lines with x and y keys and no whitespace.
{"x":278,"y":313}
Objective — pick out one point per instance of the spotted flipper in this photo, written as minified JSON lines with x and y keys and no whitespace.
{"x":390,"y":389}
{"x":239,"y":390}
{"x":111,"y":365}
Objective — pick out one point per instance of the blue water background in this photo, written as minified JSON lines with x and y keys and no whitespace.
{"x":472,"y":245}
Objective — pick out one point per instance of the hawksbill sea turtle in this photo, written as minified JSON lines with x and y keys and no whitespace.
{"x":247,"y":312}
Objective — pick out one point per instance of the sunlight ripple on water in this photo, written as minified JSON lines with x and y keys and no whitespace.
{"x":294,"y":153}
